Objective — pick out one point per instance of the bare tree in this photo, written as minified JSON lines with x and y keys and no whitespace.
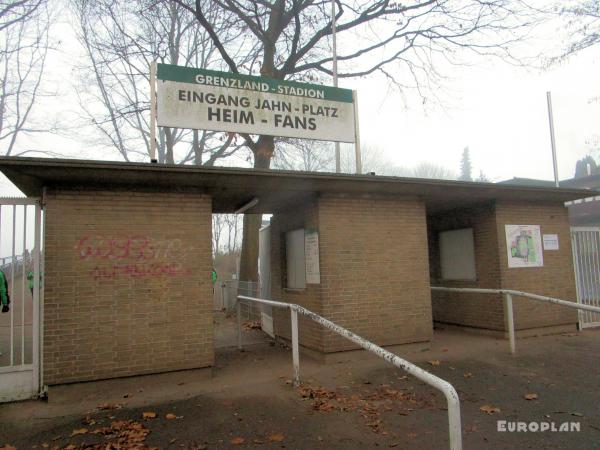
{"x":24,"y":30}
{"x":121,"y":39}
{"x":404,"y":42}
{"x":14,"y":12}
{"x":432,"y":170}
{"x":217,"y":230}
{"x":302,"y":154}
{"x":581,"y":20}
{"x":374,"y":160}
{"x":226,"y":229}
{"x":233,"y":224}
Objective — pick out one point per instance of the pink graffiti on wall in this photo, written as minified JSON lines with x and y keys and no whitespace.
{"x":139,"y":270}
{"x":133,"y":256}
{"x":129,"y":248}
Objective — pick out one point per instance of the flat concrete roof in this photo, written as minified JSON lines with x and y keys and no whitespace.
{"x":232,"y":187}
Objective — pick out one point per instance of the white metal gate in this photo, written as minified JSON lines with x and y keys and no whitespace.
{"x":20,"y":256}
{"x":586,"y":258}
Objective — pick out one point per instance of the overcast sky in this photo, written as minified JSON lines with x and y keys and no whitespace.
{"x":499,"y":111}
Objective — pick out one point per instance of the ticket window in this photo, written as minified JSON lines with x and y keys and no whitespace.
{"x":457,"y":255}
{"x":295,"y":259}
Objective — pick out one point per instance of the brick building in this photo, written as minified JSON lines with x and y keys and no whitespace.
{"x":127,"y":287}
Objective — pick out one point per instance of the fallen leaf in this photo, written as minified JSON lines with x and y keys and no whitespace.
{"x":8,"y":447}
{"x":467,"y":375}
{"x":149,"y":415}
{"x":237,"y":441}
{"x":70,"y":447}
{"x":530,"y":396}
{"x":109,"y":406}
{"x":170,"y":416}
{"x":277,"y":437}
{"x":255,"y":325}
{"x":89,"y":421}
{"x":577,"y":414}
{"x":79,"y":431}
{"x":489,"y":409}
{"x":434,"y":362}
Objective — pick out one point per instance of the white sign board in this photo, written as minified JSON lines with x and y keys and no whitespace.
{"x":311,"y":253}
{"x":524,"y":246}
{"x":222,"y":101}
{"x":550,"y":241}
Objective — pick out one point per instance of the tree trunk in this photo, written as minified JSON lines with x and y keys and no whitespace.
{"x":169,"y":157}
{"x":263,"y":152}
{"x":196,"y":147}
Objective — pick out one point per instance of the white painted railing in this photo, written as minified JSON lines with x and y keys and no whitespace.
{"x":454,"y":422}
{"x":508,"y":309}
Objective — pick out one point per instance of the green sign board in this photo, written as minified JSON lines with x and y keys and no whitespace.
{"x":222,"y":101}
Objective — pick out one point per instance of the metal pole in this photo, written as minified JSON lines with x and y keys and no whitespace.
{"x":23,"y":278}
{"x":335,"y":77}
{"x":508,"y":311}
{"x":36,"y":330}
{"x":356,"y":135}
{"x":153,"y":112}
{"x":552,"y":141}
{"x":295,"y":352}
{"x":238,"y":307}
{"x":12,"y":286}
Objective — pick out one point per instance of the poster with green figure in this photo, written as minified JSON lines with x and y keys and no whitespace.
{"x":524,"y":246}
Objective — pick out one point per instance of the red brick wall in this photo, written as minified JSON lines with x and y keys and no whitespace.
{"x":127,"y":284}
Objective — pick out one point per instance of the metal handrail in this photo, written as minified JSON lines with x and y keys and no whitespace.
{"x":508,"y":294}
{"x":454,"y":421}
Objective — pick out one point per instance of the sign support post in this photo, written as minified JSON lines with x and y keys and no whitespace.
{"x":153,"y":112}
{"x":338,"y":164}
{"x":552,"y":140}
{"x":356,"y":135}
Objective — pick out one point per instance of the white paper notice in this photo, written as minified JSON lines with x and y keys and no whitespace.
{"x":311,"y":253}
{"x":550,"y":241}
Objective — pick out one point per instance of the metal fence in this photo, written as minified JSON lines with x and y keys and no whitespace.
{"x":250,"y":311}
{"x":586,"y":258}
{"x":454,"y":421}
{"x":20,"y":243}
